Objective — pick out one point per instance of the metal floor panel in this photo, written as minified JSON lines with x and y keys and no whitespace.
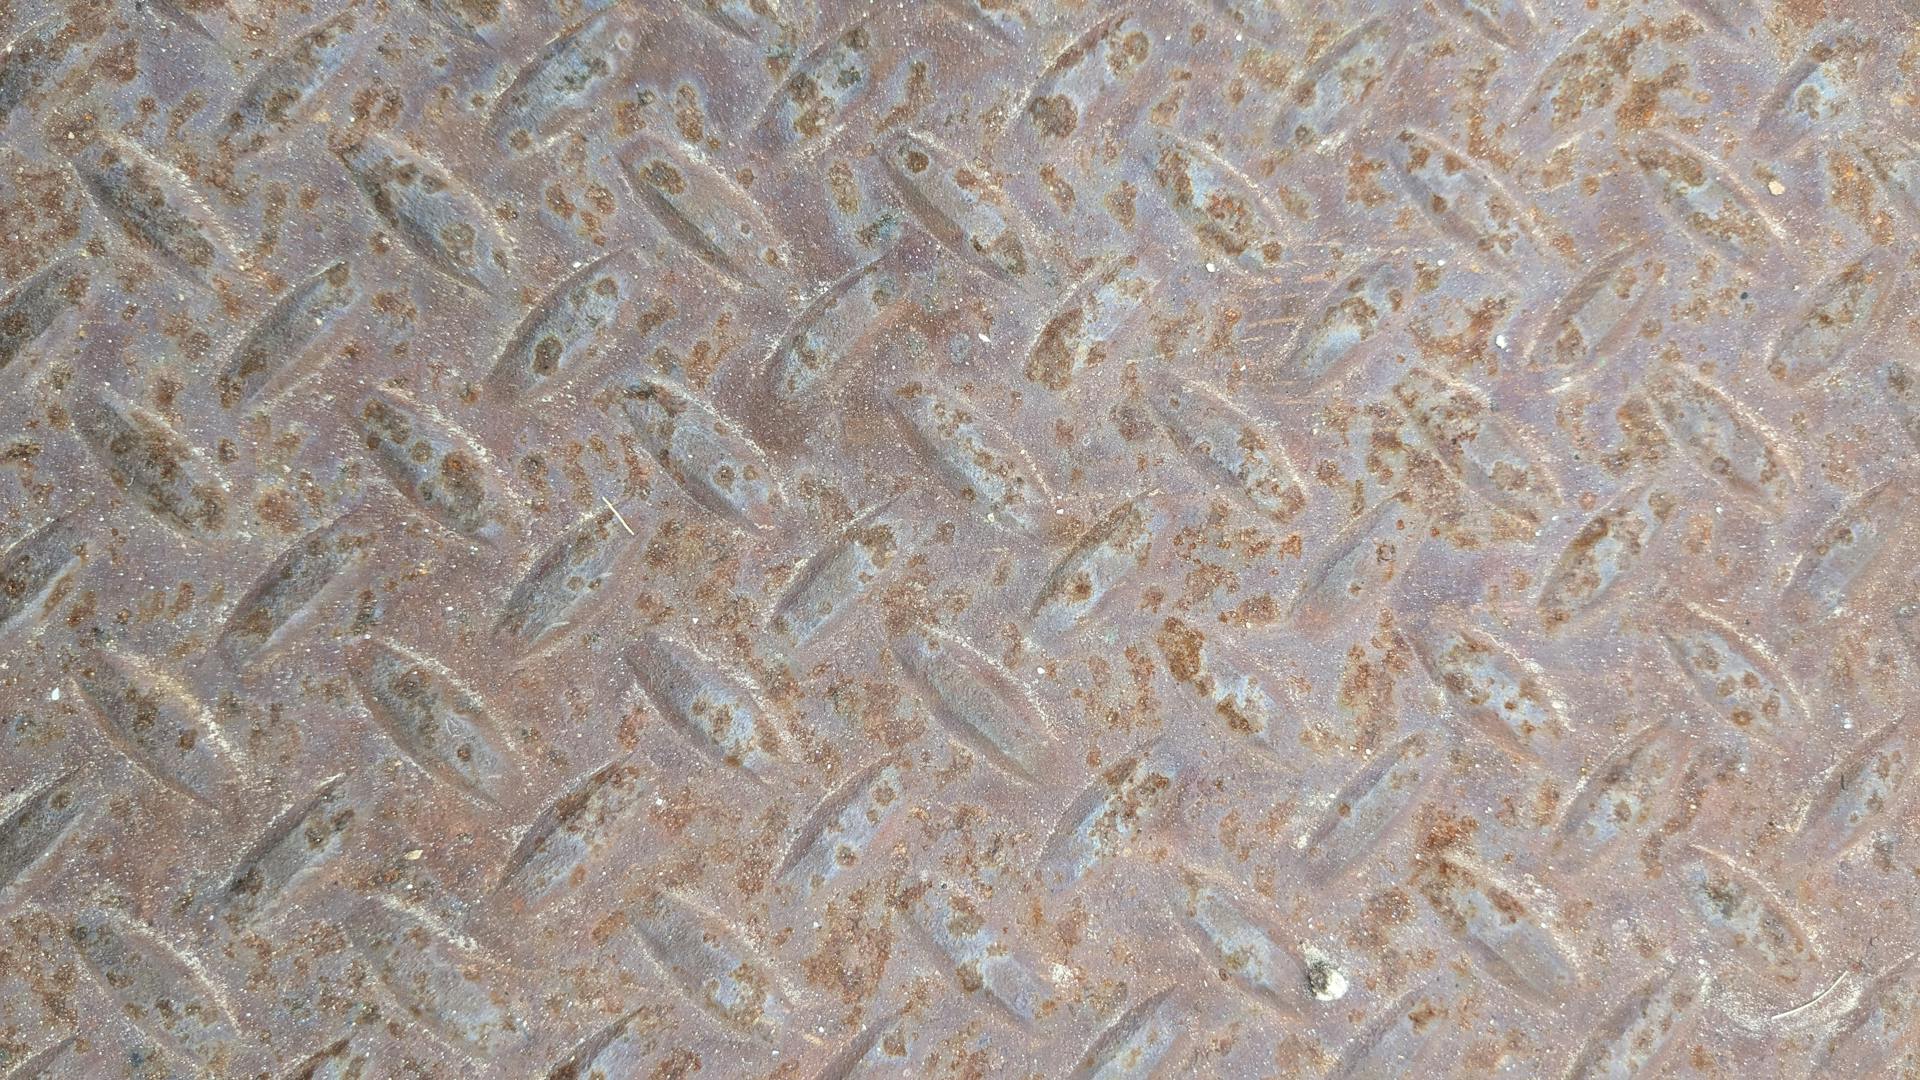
{"x":804,"y":539}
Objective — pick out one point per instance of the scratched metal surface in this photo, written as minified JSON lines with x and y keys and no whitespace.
{"x":960,"y":538}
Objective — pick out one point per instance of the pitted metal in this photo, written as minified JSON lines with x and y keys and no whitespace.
{"x":967,"y":538}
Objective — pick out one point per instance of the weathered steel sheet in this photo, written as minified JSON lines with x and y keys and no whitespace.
{"x":958,"y":538}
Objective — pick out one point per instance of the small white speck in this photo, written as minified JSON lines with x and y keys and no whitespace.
{"x":414,"y":855}
{"x":1211,"y":269}
{"x":1775,"y":187}
{"x":54,"y":694}
{"x":1325,"y":980}
{"x":1442,"y":262}
{"x":983,"y":337}
{"x":1500,"y":340}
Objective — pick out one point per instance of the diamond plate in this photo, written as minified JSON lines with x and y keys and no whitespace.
{"x":969,"y":538}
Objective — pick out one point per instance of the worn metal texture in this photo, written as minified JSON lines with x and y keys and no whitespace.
{"x":958,"y":538}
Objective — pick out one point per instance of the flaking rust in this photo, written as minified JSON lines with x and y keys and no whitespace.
{"x":823,"y":540}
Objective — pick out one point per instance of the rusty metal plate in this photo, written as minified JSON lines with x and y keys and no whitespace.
{"x":958,"y":538}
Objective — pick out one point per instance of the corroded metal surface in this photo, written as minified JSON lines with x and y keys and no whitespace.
{"x":1014,"y":538}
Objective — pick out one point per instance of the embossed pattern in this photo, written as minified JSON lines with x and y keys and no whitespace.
{"x":821,"y":539}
